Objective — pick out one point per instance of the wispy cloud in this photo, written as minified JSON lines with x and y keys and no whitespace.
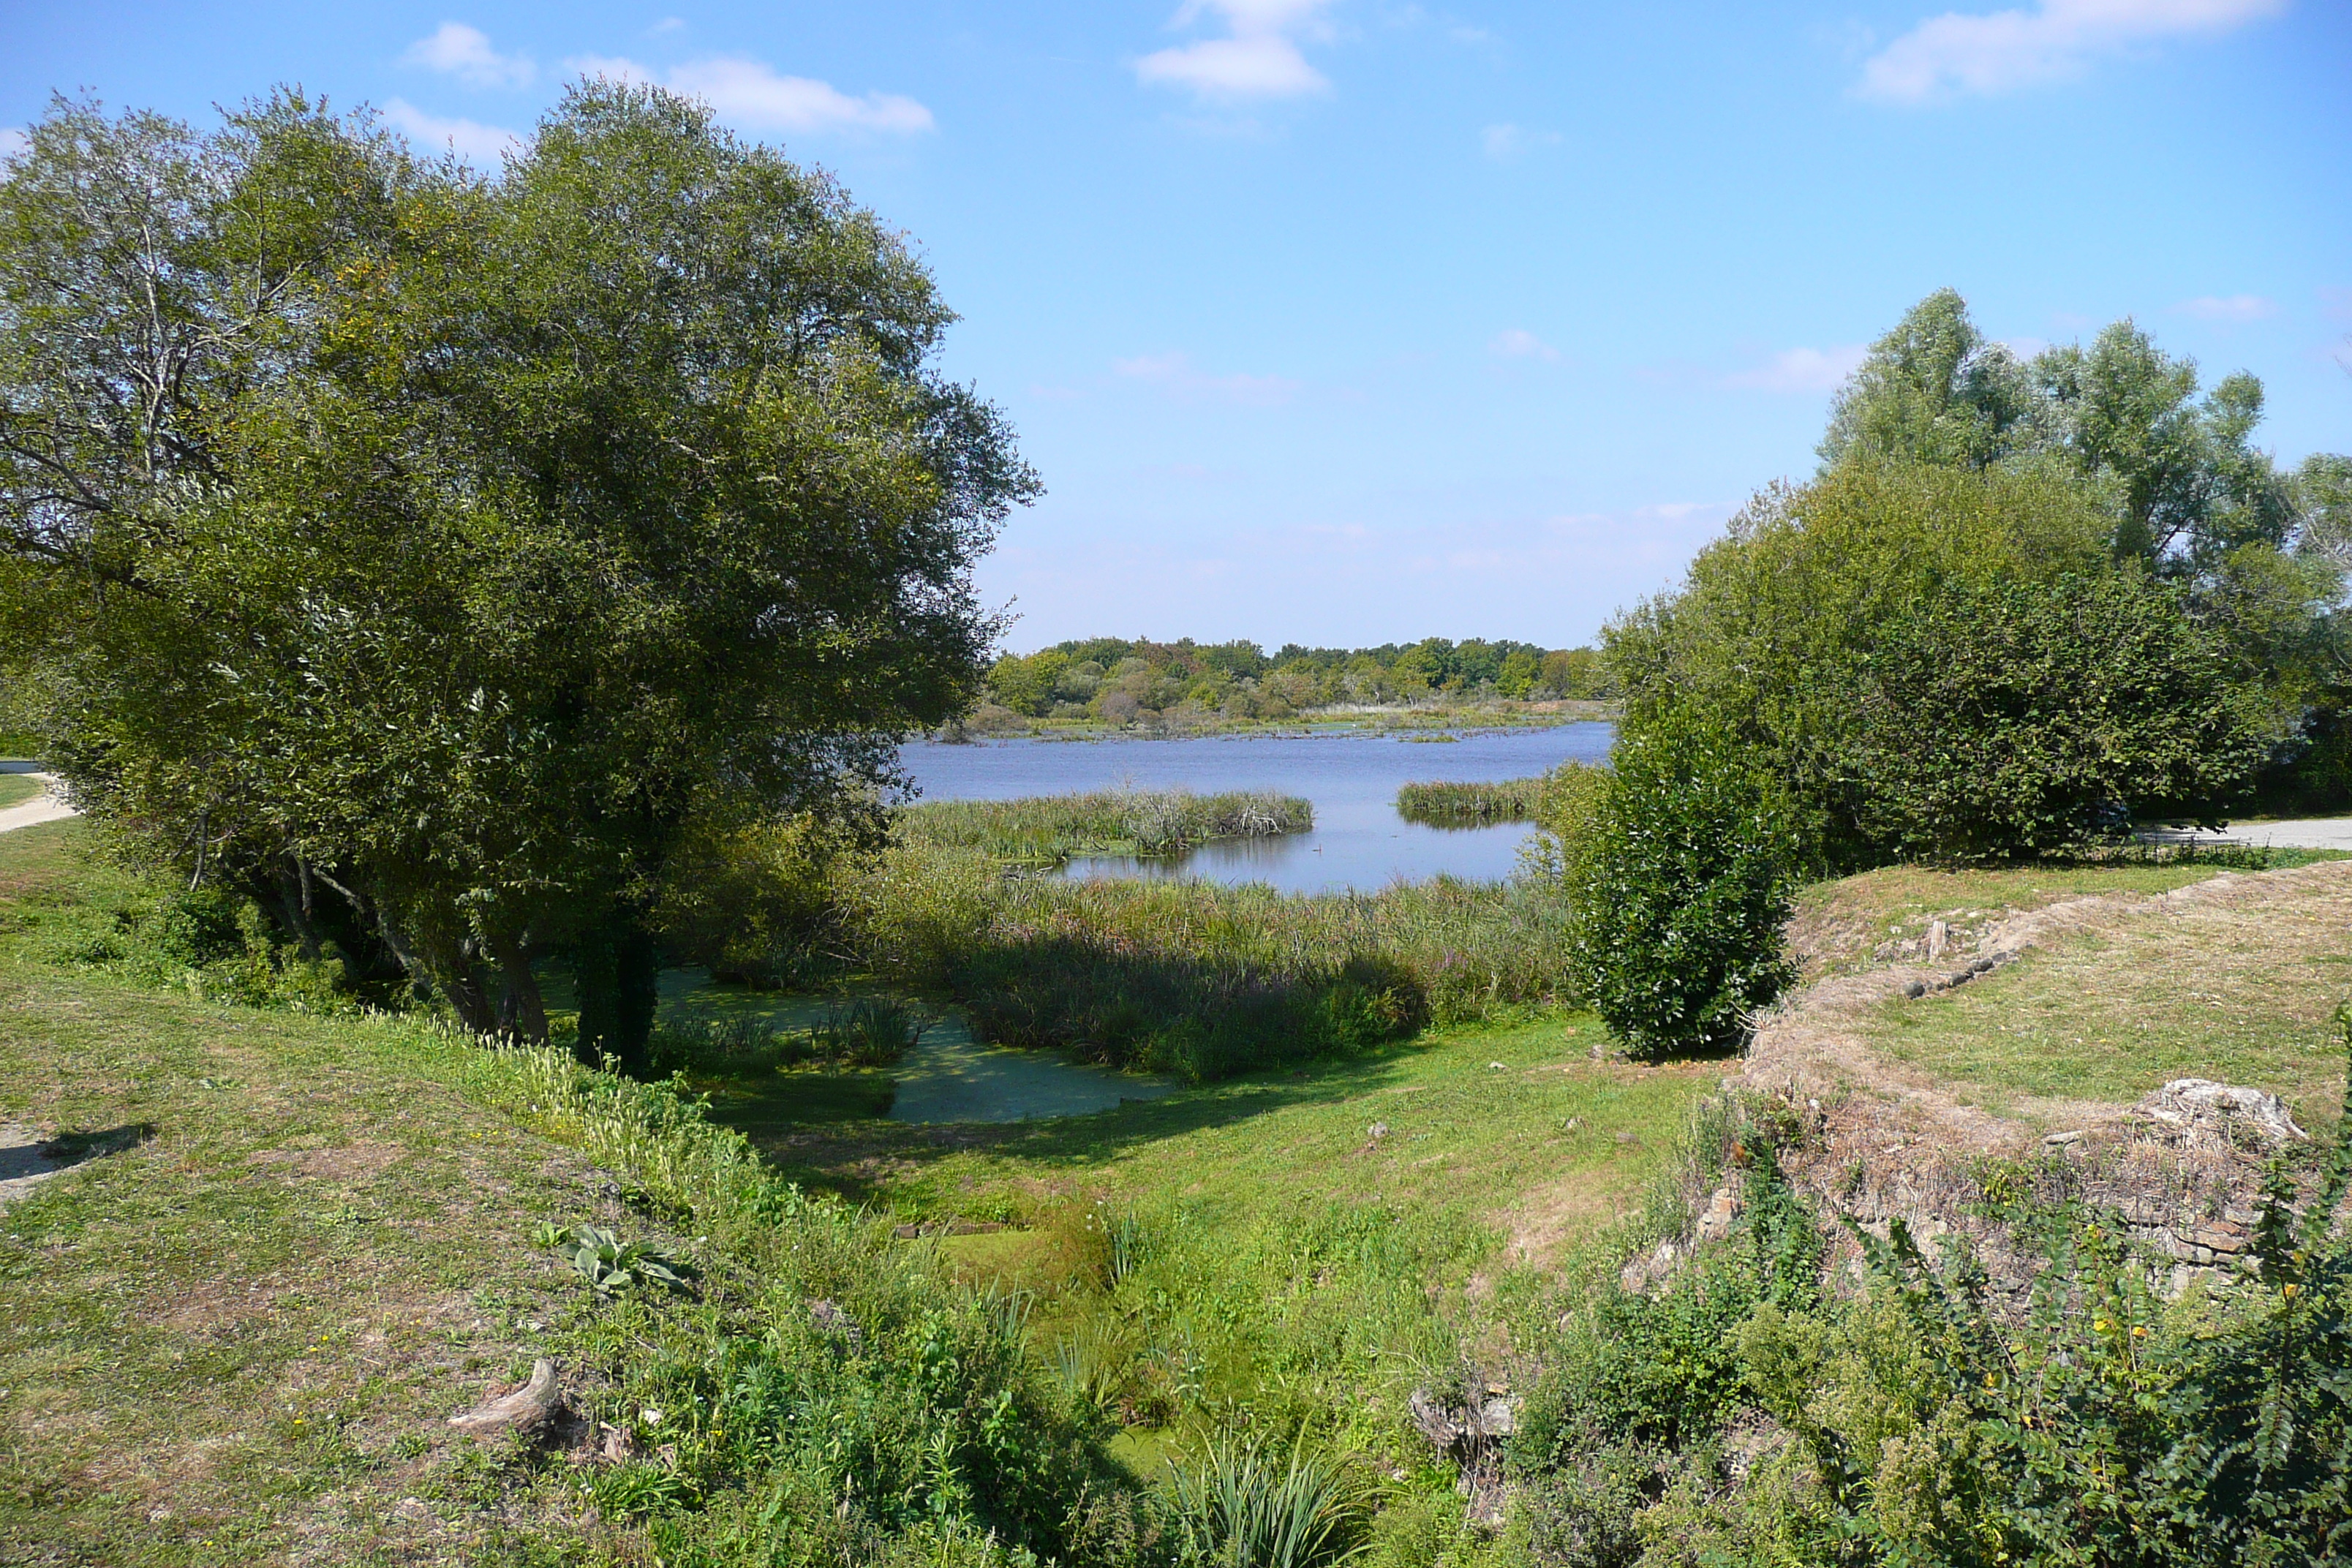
{"x":1258,"y":57}
{"x":749,"y":93}
{"x":456,"y":49}
{"x":1957,"y":54}
{"x":1505,"y":142}
{"x":1800,"y":370}
{"x":2238,"y":308}
{"x":1175,"y":373}
{"x":1517,"y":342}
{"x":469,"y":139}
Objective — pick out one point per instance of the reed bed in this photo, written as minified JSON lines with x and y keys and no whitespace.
{"x":1047,"y":830}
{"x":1469,"y":804}
{"x":1196,"y":977}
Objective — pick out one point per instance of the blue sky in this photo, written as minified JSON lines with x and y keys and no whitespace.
{"x":1353,"y":321}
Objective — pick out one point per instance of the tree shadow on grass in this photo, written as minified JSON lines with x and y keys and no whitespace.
{"x":855,"y":1159}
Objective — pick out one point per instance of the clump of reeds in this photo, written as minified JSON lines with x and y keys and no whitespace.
{"x":1469,"y":804}
{"x":1049,"y":829}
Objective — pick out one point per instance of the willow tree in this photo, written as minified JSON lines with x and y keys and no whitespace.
{"x":428,"y":554}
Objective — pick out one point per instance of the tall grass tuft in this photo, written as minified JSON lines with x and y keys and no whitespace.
{"x":1250,"y":1506}
{"x":1049,"y":829}
{"x":1469,"y":804}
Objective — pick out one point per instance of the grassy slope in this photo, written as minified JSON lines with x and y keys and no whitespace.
{"x":239,"y":1338}
{"x":1468,"y":1141}
{"x":16,"y":789}
{"x":2239,"y":991}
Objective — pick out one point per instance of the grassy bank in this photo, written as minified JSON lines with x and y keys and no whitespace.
{"x":1469,"y":804}
{"x":1050,"y":829}
{"x":236,"y":1335}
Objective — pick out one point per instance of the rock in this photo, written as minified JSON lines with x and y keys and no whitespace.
{"x":835,"y":1322}
{"x":1498,"y":1419}
{"x":1714,"y":1223}
{"x":1379,"y":1130}
{"x":2199,"y":1111}
{"x":526,"y":1409}
{"x":2060,"y":1139}
{"x":1916,"y":990}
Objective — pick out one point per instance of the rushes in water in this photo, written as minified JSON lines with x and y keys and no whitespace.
{"x":1469,"y":804}
{"x":1049,"y":829}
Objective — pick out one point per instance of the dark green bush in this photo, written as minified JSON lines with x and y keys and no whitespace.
{"x":2032,"y":718}
{"x":1679,"y":886}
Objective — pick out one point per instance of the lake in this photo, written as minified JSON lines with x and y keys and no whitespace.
{"x":1359,"y":841}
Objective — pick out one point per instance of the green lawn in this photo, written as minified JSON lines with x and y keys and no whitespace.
{"x":16,"y":789}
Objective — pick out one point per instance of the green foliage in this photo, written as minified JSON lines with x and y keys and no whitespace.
{"x":1741,"y":1413}
{"x":1935,"y":390}
{"x":1050,"y":829}
{"x":1111,"y":678}
{"x":1249,"y":1505}
{"x":1469,"y":804}
{"x":432,"y":626}
{"x":1678,"y":888}
{"x":1882,"y":641}
{"x":608,"y":1264}
{"x":2031,"y":719}
{"x":1196,"y":977}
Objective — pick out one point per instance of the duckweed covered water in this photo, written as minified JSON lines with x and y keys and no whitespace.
{"x":950,"y":1075}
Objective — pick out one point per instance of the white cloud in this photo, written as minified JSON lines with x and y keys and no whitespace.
{"x":1800,"y":370}
{"x":1955,"y":54}
{"x":469,"y":139}
{"x":1258,"y":58}
{"x":465,"y":53}
{"x":749,"y":93}
{"x":1517,"y":342}
{"x":2237,"y":308}
{"x":1504,"y":142}
{"x":1174,"y":373}
{"x":666,"y":24}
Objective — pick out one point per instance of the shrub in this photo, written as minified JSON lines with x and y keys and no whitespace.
{"x":1678,"y":891}
{"x":2032,"y":718}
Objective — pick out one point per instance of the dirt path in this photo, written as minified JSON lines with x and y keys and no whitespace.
{"x":2260,"y":931}
{"x":47,"y":806}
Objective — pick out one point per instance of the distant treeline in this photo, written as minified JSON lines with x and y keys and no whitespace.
{"x":1114,"y":679}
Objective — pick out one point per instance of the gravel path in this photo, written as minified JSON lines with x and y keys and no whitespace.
{"x":45,"y":808}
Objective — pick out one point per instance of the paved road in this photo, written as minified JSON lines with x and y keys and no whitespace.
{"x":43,"y":807}
{"x":2300,"y":832}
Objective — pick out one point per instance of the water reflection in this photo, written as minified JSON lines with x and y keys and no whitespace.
{"x":1359,"y":842}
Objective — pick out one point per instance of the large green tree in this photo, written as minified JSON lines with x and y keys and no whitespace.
{"x":444,"y":551}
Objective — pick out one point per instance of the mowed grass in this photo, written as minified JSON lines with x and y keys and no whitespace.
{"x":1839,"y":923}
{"x":2236,"y":981}
{"x":16,"y":789}
{"x":237,"y":1337}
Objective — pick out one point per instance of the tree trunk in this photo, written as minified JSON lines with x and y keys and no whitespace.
{"x":616,"y":969}
{"x":522,"y":1011}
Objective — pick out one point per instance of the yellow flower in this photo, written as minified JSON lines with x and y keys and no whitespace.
{"x":2139,"y":1334}
{"x":2100,"y":1324}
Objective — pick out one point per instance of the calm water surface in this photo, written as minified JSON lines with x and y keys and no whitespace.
{"x":1359,"y":841}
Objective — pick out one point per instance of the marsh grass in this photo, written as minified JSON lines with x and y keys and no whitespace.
{"x":1469,"y":804}
{"x":1047,"y":830}
{"x":1199,"y":978}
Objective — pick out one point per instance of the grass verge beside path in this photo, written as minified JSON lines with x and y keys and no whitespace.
{"x":16,"y":789}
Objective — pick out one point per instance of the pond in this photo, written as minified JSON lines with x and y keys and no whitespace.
{"x":1359,"y":842}
{"x":950,"y":1075}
